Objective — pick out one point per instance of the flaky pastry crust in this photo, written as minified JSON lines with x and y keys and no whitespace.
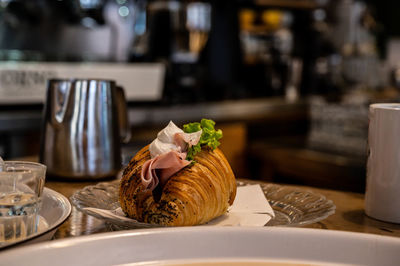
{"x":195,"y":195}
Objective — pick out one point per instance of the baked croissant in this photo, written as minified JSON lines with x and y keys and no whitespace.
{"x":194,"y":195}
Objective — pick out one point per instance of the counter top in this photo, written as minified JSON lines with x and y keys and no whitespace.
{"x":226,"y":111}
{"x":29,"y":118}
{"x":349,"y":215}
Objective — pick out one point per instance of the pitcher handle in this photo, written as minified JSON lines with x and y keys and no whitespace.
{"x":122,"y":113}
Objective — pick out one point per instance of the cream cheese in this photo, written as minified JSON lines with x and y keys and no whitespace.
{"x":165,"y":140}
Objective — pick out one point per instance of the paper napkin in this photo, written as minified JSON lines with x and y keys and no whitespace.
{"x":250,"y":208}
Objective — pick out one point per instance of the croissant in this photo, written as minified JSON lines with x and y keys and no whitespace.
{"x":194,"y":195}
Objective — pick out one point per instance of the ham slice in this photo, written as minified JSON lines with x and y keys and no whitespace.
{"x":168,"y":154}
{"x":160,"y":168}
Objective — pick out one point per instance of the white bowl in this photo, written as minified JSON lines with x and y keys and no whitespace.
{"x":186,"y":245}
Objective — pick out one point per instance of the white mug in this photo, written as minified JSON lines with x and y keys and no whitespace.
{"x":382,"y":196}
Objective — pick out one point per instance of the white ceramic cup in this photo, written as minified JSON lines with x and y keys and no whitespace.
{"x":382,"y":197}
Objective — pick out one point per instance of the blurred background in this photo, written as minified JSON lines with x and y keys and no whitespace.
{"x":288,"y":81}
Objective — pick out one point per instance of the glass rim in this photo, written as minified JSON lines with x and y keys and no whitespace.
{"x":26,"y":163}
{"x":386,"y":106}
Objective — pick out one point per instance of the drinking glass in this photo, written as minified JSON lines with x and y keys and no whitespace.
{"x":21,"y":188}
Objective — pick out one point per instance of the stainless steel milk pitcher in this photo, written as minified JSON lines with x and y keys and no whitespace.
{"x":84,"y":123}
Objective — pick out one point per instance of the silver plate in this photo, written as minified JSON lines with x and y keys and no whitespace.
{"x":53,"y":213}
{"x":293,"y":206}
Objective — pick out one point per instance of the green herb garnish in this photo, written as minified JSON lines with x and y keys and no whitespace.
{"x":209,"y":136}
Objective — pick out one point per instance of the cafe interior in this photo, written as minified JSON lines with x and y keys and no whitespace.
{"x":291,"y":84}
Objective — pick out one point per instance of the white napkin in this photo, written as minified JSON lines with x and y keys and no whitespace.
{"x":250,"y":208}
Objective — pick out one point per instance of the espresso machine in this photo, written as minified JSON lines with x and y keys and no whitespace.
{"x":211,"y":50}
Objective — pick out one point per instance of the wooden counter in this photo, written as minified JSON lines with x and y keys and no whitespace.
{"x":349,"y":214}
